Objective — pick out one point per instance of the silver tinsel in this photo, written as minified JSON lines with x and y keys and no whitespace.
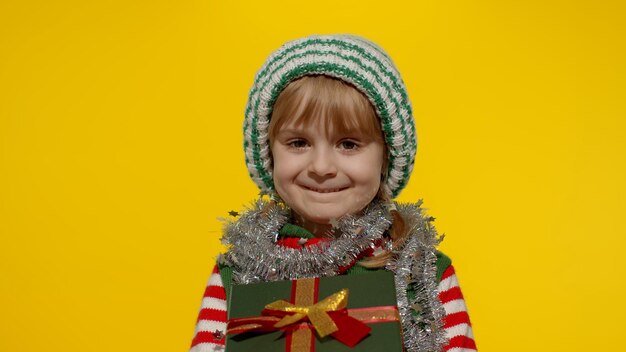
{"x":255,"y":257}
{"x":414,"y":268}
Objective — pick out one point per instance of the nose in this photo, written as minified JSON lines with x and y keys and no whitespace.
{"x":323,"y":163}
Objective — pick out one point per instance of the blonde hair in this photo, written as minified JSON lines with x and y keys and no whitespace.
{"x":336,"y":104}
{"x":342,"y":108}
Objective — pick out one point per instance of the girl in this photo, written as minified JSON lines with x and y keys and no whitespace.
{"x":329,"y":135}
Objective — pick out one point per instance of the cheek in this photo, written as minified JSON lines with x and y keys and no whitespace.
{"x":369,"y":170}
{"x":284,"y":169}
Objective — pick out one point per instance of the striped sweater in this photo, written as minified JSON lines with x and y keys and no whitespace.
{"x":213,"y":315}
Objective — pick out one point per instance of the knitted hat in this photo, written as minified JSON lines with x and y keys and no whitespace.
{"x":352,"y":59}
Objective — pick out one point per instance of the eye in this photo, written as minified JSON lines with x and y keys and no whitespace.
{"x":348,"y":144}
{"x":297,"y":143}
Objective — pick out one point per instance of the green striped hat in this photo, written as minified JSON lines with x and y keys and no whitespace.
{"x":355,"y":60}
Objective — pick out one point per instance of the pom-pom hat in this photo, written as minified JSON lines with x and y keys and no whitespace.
{"x":355,"y":60}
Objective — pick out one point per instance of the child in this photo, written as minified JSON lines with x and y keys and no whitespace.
{"x":329,"y":135}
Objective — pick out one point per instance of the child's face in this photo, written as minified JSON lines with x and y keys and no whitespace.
{"x":323,"y":176}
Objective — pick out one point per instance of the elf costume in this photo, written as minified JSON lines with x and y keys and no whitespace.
{"x":265,"y":246}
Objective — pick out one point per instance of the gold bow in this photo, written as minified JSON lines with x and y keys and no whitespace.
{"x":317,"y":313}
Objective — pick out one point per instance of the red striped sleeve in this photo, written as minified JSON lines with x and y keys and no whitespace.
{"x":456,"y":323}
{"x":448,"y":272}
{"x":450,"y":295}
{"x":461,"y":342}
{"x":215,"y":291}
{"x":211,"y":322}
{"x":206,"y":337}
{"x":212,"y":314}
{"x":456,"y":319}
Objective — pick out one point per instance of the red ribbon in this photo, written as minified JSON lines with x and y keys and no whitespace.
{"x":351,"y":323}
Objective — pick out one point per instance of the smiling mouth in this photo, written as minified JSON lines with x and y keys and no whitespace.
{"x":324,"y":190}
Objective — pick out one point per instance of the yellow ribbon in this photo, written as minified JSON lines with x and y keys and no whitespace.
{"x":317,"y":313}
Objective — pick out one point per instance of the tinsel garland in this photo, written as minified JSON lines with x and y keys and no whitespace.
{"x":255,"y":257}
{"x":414,"y":267}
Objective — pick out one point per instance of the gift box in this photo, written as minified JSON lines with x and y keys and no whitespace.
{"x":340,"y":313}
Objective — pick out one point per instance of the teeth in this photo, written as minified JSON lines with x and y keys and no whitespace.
{"x":325,"y":190}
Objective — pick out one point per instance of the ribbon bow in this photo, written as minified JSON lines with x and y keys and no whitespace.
{"x":328,"y":316}
{"x":316,"y":313}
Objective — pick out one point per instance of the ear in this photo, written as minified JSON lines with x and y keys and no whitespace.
{"x":270,"y":154}
{"x":385,"y":168}
{"x":384,"y":171}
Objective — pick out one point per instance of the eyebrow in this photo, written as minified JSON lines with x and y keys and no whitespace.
{"x":299,"y":132}
{"x":290,"y":130}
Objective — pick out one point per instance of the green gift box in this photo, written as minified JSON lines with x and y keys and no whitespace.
{"x":371,"y":300}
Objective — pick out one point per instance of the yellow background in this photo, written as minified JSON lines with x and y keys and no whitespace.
{"x":120,"y":145}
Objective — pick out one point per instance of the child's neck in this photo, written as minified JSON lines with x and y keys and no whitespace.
{"x":317,"y":229}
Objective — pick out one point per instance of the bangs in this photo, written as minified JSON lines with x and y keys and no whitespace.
{"x":326,"y":102}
